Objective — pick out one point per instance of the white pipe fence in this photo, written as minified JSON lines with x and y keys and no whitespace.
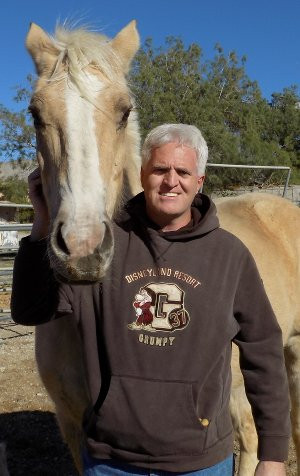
{"x":15,"y":226}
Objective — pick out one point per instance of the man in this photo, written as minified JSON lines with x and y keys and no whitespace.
{"x":178,"y":291}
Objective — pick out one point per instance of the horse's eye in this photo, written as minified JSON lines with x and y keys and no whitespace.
{"x":124,"y":119}
{"x":35,"y":116}
{"x":126,"y":115}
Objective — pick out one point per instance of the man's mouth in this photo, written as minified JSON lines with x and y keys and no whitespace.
{"x":169,"y":194}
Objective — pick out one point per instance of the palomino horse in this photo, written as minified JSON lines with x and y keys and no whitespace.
{"x":87,"y":142}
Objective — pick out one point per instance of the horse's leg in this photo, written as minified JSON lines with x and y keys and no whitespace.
{"x":72,"y":434}
{"x":245,"y":431}
{"x":292,"y":360}
{"x":61,"y":366}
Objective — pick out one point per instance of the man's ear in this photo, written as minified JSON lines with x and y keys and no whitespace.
{"x":200,"y":182}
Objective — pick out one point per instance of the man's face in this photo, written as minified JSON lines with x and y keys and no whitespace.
{"x":171,"y":181}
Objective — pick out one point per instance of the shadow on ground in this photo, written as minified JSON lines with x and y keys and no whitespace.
{"x":34,"y":445}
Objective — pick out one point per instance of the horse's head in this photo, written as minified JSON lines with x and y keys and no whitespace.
{"x":87,"y":137}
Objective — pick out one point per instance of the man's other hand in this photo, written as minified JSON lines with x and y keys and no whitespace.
{"x":270,"y":468}
{"x":40,"y":228}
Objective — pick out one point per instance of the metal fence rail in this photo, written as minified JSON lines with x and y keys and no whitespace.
{"x":5,"y":315}
{"x":15,"y":205}
{"x":6,"y":272}
{"x":15,"y":226}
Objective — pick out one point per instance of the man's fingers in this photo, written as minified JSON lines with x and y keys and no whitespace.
{"x":35,"y":186}
{"x":35,"y":174}
{"x":34,"y":178}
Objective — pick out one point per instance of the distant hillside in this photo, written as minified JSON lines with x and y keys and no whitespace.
{"x":14,"y":169}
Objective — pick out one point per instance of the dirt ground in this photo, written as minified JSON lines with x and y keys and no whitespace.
{"x":27,"y":423}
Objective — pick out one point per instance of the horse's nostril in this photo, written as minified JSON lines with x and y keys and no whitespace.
{"x":60,"y":241}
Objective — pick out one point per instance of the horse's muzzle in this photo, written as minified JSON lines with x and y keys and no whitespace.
{"x":76,"y":259}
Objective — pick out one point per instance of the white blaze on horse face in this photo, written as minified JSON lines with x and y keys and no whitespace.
{"x":83,"y":196}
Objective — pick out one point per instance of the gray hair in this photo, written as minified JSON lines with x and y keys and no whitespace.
{"x":183,"y":134}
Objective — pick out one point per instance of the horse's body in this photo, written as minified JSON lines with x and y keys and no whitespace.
{"x":73,"y":87}
{"x":270,"y":227}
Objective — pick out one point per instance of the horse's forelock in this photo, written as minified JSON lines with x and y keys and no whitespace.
{"x":80,"y":48}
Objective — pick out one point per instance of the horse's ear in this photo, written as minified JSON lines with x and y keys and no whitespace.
{"x":126,"y":43}
{"x":41,"y":48}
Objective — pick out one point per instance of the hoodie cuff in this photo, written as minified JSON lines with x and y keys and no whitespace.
{"x":273,"y":448}
{"x":26,"y":243}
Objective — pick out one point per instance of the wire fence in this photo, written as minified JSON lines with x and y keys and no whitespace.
{"x":231,"y":179}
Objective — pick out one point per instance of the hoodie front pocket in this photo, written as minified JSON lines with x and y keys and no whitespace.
{"x":150,"y":417}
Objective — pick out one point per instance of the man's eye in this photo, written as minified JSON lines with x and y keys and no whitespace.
{"x":183,"y":173}
{"x":159,"y":171}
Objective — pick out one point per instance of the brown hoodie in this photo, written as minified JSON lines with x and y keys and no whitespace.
{"x":157,"y":335}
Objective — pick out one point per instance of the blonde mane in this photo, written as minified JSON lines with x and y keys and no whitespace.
{"x":80,"y":48}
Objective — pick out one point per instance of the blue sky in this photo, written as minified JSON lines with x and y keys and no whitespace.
{"x":266,"y":31}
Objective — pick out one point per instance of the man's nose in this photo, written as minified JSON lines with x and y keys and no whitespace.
{"x":171,"y":178}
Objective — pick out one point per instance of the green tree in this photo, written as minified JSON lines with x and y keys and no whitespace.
{"x":166,"y":82}
{"x":174,"y":84}
{"x":17,"y":135}
{"x":284,"y":123}
{"x":15,"y":190}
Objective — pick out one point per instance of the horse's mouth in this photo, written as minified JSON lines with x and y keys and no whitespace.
{"x":89,"y":268}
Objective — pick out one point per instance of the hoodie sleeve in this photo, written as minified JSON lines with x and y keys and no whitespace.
{"x":262,"y":364}
{"x":36,"y":296}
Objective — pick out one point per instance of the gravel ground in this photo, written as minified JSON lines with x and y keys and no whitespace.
{"x":27,"y":422}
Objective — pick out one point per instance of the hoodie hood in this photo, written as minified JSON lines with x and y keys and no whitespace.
{"x":204,"y":218}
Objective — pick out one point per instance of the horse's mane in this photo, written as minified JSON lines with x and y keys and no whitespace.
{"x":79,"y":48}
